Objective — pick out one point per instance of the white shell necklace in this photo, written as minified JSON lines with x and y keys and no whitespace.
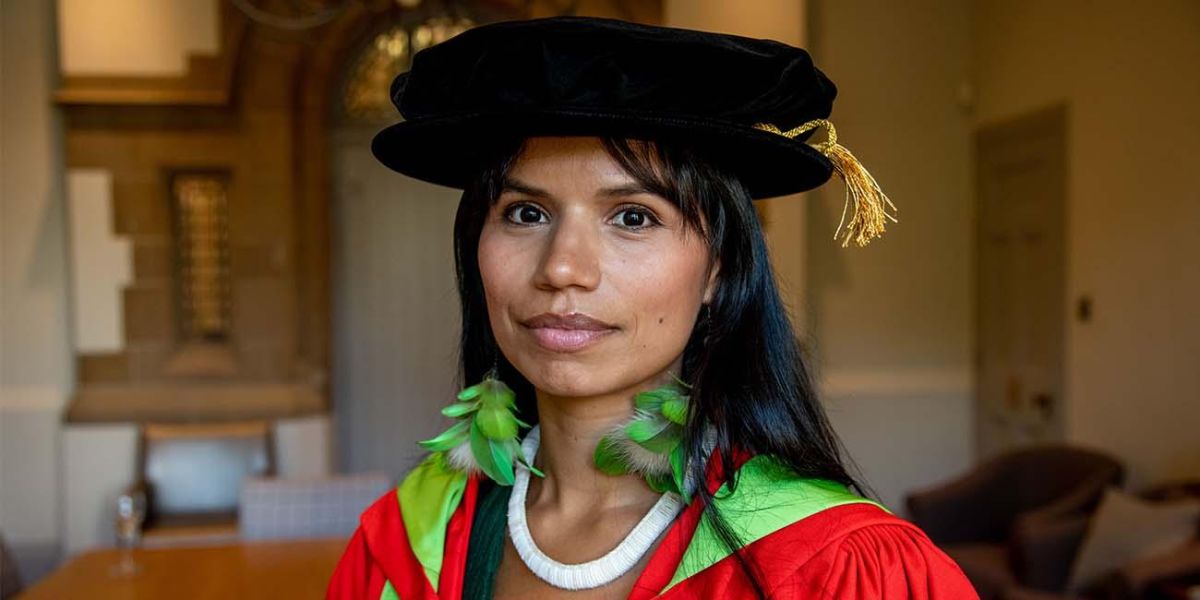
{"x":591,"y":574}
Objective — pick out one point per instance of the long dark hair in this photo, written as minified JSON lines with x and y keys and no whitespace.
{"x":750,"y":383}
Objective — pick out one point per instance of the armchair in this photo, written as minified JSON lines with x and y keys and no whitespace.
{"x":1156,"y":577}
{"x":1018,"y":518}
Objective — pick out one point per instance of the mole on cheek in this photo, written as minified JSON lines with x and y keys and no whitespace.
{"x":660,"y":320}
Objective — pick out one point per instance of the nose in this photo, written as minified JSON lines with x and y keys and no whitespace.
{"x":571,"y":257}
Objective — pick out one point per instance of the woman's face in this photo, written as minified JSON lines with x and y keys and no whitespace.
{"x":593,"y":284}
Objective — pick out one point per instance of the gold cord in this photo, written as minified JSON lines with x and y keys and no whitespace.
{"x":870,"y":203}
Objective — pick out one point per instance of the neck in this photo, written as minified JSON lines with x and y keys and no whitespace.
{"x":571,"y":427}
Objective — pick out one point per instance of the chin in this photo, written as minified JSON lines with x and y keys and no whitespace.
{"x":567,"y":377}
{"x":563,"y":380}
{"x":577,"y":378}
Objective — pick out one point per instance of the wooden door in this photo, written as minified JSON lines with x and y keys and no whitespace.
{"x":1020,"y":287}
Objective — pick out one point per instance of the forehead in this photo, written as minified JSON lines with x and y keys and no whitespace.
{"x":567,"y":160}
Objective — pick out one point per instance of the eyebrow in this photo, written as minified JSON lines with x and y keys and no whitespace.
{"x":516,"y":185}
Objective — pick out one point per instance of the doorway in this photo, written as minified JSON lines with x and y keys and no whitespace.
{"x":1020,"y":281}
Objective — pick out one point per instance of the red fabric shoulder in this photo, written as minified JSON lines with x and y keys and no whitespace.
{"x":849,"y":552}
{"x":380,"y":552}
{"x":882,"y":557}
{"x":357,"y":575}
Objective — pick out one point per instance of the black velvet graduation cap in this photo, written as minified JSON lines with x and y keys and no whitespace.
{"x":750,"y":104}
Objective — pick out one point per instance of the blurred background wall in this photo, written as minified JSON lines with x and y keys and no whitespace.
{"x":1127,"y":74}
{"x":891,"y":324}
{"x":36,"y":370}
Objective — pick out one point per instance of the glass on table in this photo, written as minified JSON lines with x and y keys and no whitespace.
{"x":131,"y":513}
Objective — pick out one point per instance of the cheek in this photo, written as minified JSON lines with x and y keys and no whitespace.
{"x":667,"y":293}
{"x":497,"y":275}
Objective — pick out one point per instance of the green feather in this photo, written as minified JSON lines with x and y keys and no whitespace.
{"x":675,"y":409}
{"x":607,"y":459}
{"x":482,"y":451}
{"x":664,"y":441}
{"x":659,"y":483}
{"x":447,"y":439}
{"x":645,"y":427}
{"x":488,"y":424}
{"x":459,"y":409}
{"x":471,"y":392}
{"x":678,"y":464}
{"x":497,"y":395}
{"x":515,"y":449}
{"x":502,"y":459}
{"x":496,"y":423}
{"x":652,"y":400}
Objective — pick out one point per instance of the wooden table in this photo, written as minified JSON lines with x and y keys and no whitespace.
{"x":291,"y":569}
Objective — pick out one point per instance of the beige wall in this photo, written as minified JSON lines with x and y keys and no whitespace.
{"x":1128,"y":73}
{"x":891,"y":321}
{"x":134,"y":37}
{"x":782,"y":20}
{"x":35,"y":357}
{"x":101,"y":261}
{"x":902,"y":302}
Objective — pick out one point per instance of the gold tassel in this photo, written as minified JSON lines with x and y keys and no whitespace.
{"x":870,"y":203}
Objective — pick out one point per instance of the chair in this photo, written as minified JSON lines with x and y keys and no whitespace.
{"x":1017,"y":519}
{"x":192,"y":474}
{"x":289,"y":509}
{"x":1142,"y":579}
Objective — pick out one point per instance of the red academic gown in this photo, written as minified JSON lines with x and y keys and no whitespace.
{"x":850,"y":552}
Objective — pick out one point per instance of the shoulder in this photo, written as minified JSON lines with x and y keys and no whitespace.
{"x":770,"y":509}
{"x":413,"y":533}
{"x":420,"y":506}
{"x":862,"y":551}
{"x":816,"y":538}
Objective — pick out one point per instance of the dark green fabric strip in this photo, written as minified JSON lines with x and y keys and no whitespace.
{"x":487,"y":541}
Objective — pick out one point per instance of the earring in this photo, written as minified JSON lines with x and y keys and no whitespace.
{"x":651,"y":443}
{"x":485,"y":437}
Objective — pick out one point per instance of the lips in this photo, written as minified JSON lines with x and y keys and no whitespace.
{"x":567,"y":333}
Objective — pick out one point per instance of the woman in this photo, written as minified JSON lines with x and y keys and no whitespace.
{"x":617,"y":299}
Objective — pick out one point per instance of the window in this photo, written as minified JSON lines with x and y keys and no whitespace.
{"x":202,"y":255}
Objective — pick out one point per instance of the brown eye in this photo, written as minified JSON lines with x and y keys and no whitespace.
{"x":524,"y":214}
{"x":635,"y":218}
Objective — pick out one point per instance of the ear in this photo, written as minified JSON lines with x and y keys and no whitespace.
{"x":711,"y":288}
